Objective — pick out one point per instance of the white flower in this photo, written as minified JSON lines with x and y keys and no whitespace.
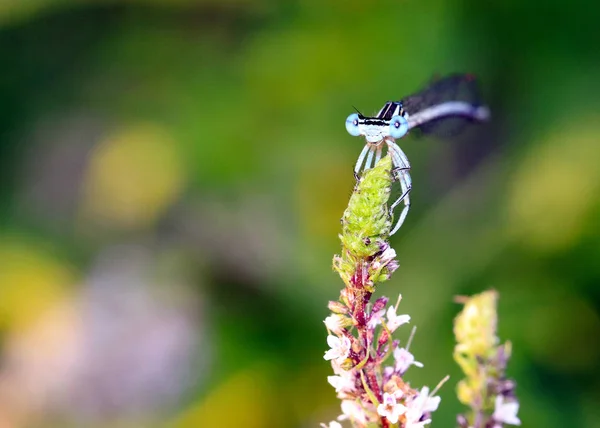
{"x":334,"y":323}
{"x":398,"y":394}
{"x":428,"y":404}
{"x":410,"y":423}
{"x":353,"y":411}
{"x":340,"y":348}
{"x":404,"y":360}
{"x":337,"y":368}
{"x":342,"y":383}
{"x":395,"y":321}
{"x":390,"y":408}
{"x":332,"y":424}
{"x":388,"y":372}
{"x":506,"y":413}
{"x":419,"y":406}
{"x":375,"y":319}
{"x":388,"y":255}
{"x":416,"y":424}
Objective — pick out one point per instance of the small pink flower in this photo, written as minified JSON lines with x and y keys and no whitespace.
{"x":353,"y":411}
{"x":410,"y":423}
{"x":388,"y":259}
{"x":395,"y":321}
{"x":404,"y":360}
{"x":375,"y":319}
{"x":388,"y":255}
{"x":398,"y":394}
{"x":390,"y":409}
{"x":388,"y":372}
{"x":340,"y":348}
{"x":334,"y":323}
{"x":506,"y":413}
{"x":417,"y":407}
{"x":343,"y":383}
{"x":332,"y":424}
{"x":337,"y":368}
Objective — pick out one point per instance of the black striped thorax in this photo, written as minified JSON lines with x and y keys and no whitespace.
{"x":384,"y":117}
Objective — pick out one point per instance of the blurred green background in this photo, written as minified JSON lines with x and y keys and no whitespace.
{"x":172,"y":175}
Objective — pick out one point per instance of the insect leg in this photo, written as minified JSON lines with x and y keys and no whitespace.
{"x":401,"y":173}
{"x":378,"y":155}
{"x":369,"y":158}
{"x":361,"y":158}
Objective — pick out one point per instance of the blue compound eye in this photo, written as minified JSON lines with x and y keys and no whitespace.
{"x":398,"y":127}
{"x":352,"y":125}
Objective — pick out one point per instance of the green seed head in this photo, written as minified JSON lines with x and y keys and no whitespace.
{"x":366,"y":222}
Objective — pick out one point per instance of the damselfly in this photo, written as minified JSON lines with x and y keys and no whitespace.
{"x":444,"y":107}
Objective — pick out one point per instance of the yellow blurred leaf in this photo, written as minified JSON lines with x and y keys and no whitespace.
{"x":31,"y":280}
{"x":243,"y":400}
{"x":134,"y":175}
{"x":555,"y":187}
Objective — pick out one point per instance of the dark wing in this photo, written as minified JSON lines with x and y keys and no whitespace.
{"x":389,"y":109}
{"x":455,"y":87}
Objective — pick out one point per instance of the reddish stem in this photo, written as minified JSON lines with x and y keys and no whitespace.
{"x":362,"y":298}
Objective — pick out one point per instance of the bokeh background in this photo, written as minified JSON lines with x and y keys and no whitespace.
{"x":172,"y":175}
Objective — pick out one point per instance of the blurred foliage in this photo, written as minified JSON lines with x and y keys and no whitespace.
{"x":37,"y":288}
{"x":210,"y":134}
{"x":154,"y":178}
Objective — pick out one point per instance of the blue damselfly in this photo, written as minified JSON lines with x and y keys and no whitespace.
{"x":442,"y":108}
